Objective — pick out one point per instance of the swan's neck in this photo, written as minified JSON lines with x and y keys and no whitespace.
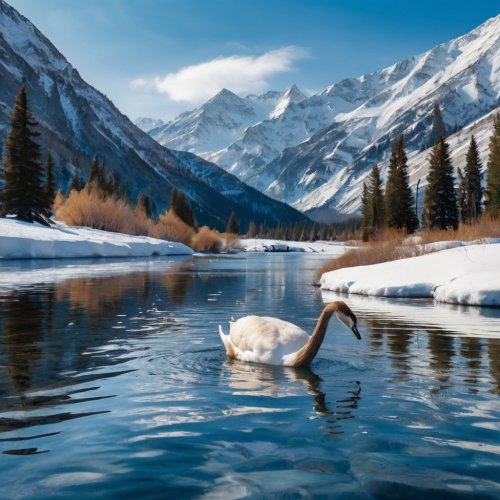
{"x":308,"y":352}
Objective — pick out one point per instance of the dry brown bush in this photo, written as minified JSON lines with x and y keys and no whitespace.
{"x":206,"y":240}
{"x":59,"y":201}
{"x":91,"y":208}
{"x":144,"y":226}
{"x":88,"y":208}
{"x":231,"y":241}
{"x":389,"y":245}
{"x":486,"y":227}
{"x":170,"y":227}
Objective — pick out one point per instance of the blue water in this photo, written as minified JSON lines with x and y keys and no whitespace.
{"x":113,"y":383}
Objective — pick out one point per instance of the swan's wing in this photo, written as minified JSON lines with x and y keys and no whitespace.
{"x":265,"y":339}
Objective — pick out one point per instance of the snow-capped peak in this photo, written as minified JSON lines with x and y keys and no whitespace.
{"x":222,"y":120}
{"x":148,"y":124}
{"x":292,"y":95}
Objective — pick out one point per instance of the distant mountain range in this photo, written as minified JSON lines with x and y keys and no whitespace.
{"x":76,"y":121}
{"x":316,"y":151}
{"x":220,"y":121}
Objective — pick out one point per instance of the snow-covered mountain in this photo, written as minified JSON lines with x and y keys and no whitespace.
{"x":76,"y":121}
{"x":316,"y":151}
{"x":148,"y":124}
{"x":418,"y":166}
{"x":222,"y":120}
{"x":326,"y":171}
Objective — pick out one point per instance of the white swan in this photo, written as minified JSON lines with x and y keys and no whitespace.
{"x":272,"y":341}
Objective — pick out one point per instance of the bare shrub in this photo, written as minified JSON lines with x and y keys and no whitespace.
{"x":485,"y":227}
{"x":170,"y":227}
{"x":231,"y":241}
{"x":144,"y":226}
{"x":206,"y":240}
{"x":59,"y":201}
{"x":88,"y":208}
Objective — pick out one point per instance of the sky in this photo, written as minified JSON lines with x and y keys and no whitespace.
{"x":158,"y":58}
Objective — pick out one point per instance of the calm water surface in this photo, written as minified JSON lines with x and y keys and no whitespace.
{"x":113,"y":382}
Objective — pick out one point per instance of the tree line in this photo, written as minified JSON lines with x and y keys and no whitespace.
{"x":444,"y":205}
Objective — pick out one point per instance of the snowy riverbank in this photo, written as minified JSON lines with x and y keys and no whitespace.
{"x":22,"y":240}
{"x":468,"y":275}
{"x":268,"y":245}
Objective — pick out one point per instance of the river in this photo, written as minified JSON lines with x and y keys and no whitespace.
{"x":114,"y":382}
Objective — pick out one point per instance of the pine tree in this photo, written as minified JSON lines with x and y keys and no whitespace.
{"x":181,"y":207}
{"x":232,"y":224}
{"x":493,"y":185}
{"x":50,"y":190}
{"x":252,"y":230}
{"x":399,"y":201}
{"x":76,"y":183}
{"x":96,"y":176}
{"x":366,"y":213}
{"x":462,"y":196}
{"x":23,"y":194}
{"x":438,"y":128}
{"x":440,"y":205}
{"x":472,"y":181}
{"x":145,"y":203}
{"x":376,"y":199}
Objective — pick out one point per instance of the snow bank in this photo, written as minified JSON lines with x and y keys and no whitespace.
{"x":427,"y":315}
{"x":22,"y":240}
{"x":468,"y":275}
{"x":265,"y":245}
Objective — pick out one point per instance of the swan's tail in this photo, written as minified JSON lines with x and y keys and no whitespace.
{"x":221,"y":333}
{"x":226,"y":340}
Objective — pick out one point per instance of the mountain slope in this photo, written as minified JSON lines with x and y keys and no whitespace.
{"x":463,"y":76}
{"x":418,"y":166}
{"x":222,"y":120}
{"x":76,"y":122}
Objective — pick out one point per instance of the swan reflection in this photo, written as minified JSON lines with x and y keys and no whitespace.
{"x":248,"y":379}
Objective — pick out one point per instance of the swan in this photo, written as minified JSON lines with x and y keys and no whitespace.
{"x":272,"y":341}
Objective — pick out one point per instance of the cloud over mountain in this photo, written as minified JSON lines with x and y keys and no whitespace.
{"x":243,"y":74}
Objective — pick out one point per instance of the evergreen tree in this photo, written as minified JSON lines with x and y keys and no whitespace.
{"x":145,"y":203}
{"x":96,"y":176}
{"x":50,"y":190}
{"x":23,"y":193}
{"x":181,"y":207}
{"x":399,"y":201}
{"x":493,"y":185}
{"x":376,"y":200}
{"x":252,"y":230}
{"x":472,"y":183}
{"x":440,"y":204}
{"x":76,"y":183}
{"x":438,"y":128}
{"x":111,"y":186}
{"x":462,"y":196}
{"x":232,"y":224}
{"x":366,"y":212}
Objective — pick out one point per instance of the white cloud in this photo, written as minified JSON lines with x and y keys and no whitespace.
{"x":197,"y":83}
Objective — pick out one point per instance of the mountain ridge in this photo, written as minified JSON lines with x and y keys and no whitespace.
{"x":335,"y":136}
{"x":77,"y":121}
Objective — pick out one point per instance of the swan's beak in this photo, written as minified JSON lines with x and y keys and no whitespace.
{"x":356,"y":332}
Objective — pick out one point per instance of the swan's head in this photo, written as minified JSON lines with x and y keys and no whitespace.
{"x":345,"y":315}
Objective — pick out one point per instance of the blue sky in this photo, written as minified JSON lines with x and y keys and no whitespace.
{"x":161,"y":57}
